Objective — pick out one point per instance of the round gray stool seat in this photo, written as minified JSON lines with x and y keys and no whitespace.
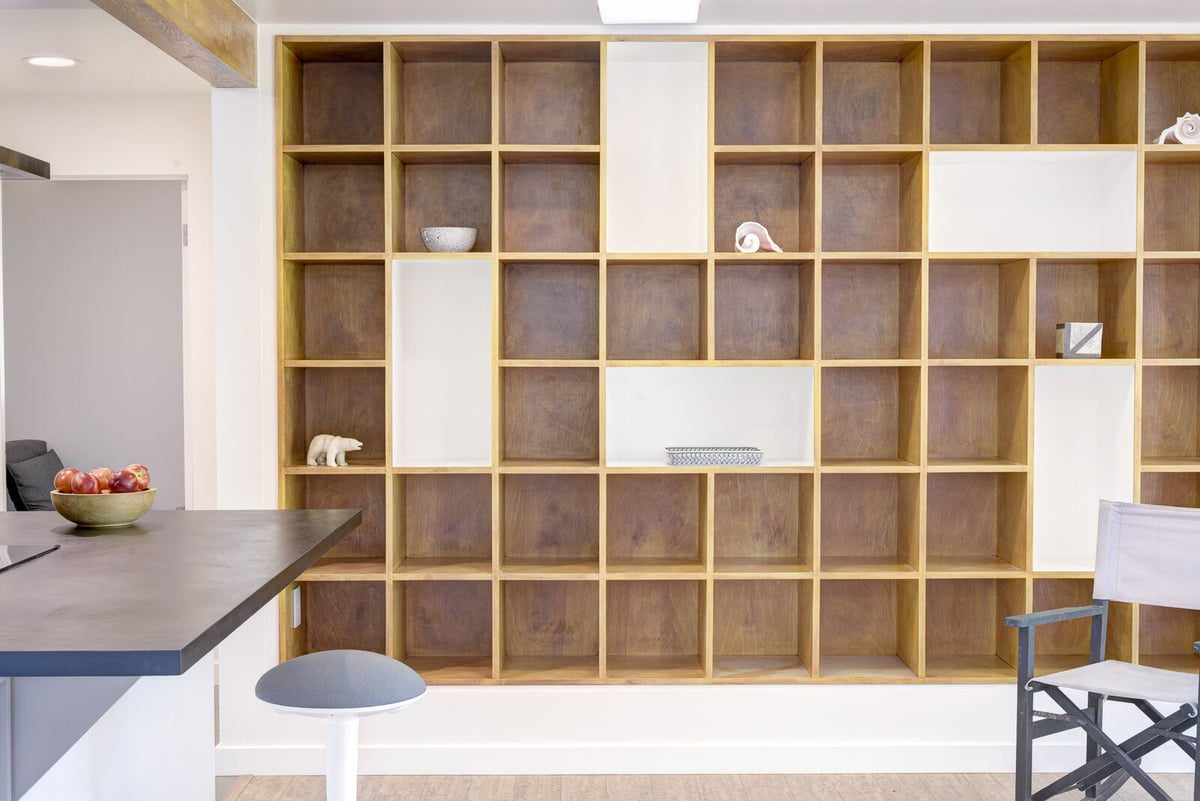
{"x":340,"y":680}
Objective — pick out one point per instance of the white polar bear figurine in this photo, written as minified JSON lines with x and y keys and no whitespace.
{"x":330,"y":450}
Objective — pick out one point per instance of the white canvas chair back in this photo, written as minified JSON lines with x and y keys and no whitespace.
{"x":1148,"y":554}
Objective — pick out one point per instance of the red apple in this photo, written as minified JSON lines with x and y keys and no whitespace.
{"x":124,"y":481}
{"x":62,"y":481}
{"x":103,"y":475}
{"x":143,"y":475}
{"x":84,"y":484}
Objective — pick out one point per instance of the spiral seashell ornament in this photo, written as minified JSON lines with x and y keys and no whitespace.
{"x":1185,"y":131}
{"x":752,"y":237}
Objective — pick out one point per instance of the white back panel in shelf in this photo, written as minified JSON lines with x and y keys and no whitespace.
{"x":1083,"y":452}
{"x":442,"y":362}
{"x":657,"y":147}
{"x":1048,"y":201}
{"x":652,"y":408}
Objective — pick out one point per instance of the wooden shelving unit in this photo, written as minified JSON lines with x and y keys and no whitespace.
{"x":892,"y":540}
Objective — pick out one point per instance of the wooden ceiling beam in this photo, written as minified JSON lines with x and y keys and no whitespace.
{"x":213,"y":38}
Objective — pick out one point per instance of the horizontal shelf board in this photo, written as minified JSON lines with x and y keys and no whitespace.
{"x":834,"y":364}
{"x":336,"y":154}
{"x":865,"y":567}
{"x":446,"y":567}
{"x":584,"y":569}
{"x":423,"y":255}
{"x":346,"y":570}
{"x":451,"y":669}
{"x":1172,"y":255}
{"x":1058,"y":257}
{"x":684,"y":363}
{"x":534,"y":466}
{"x":1172,"y":154}
{"x":870,"y":154}
{"x":550,"y":669}
{"x":947,"y":464}
{"x":439,"y":469}
{"x":655,"y":257}
{"x":760,"y":666}
{"x":1171,"y":362}
{"x":661,"y":667}
{"x":868,"y":466}
{"x":979,"y":362}
{"x":969,"y":567}
{"x":334,"y":363}
{"x":767,"y":466}
{"x":1172,"y":464}
{"x":762,"y":154}
{"x":653,"y":568}
{"x":968,"y":667}
{"x":760,"y":567}
{"x":1062,"y":574}
{"x":1083,"y":362}
{"x":549,"y":363}
{"x":871,"y":255}
{"x":547,"y":255}
{"x":1031,"y":148}
{"x":442,"y":154}
{"x":726,"y":257}
{"x":866,"y":668}
{"x":550,"y":154}
{"x":325,"y":257}
{"x":368,"y":468}
{"x":1183,"y":663}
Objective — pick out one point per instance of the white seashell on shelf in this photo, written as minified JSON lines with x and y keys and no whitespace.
{"x":1185,"y":131}
{"x":752,"y":237}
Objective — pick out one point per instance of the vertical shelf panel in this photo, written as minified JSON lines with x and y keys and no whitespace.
{"x":442,"y":352}
{"x":656,"y":146}
{"x":870,"y":523}
{"x":978,"y":415}
{"x":551,"y":630}
{"x":444,"y":523}
{"x":762,"y":630}
{"x":764,"y":310}
{"x":551,"y":310}
{"x":444,"y":93}
{"x":1088,"y":291}
{"x":550,"y":522}
{"x":333,"y":311}
{"x":871,"y":202}
{"x":656,"y":310}
{"x":871,"y":310}
{"x":550,"y":93}
{"x":1058,"y":201}
{"x":1171,"y":310}
{"x":446,"y":629}
{"x":655,"y":522}
{"x":1083,"y":452}
{"x":965,"y":633}
{"x":776,"y":189}
{"x":979,"y":309}
{"x":869,"y":630}
{"x":976,"y":521}
{"x":1087,"y":93}
{"x":332,"y":93}
{"x":763,"y":522}
{"x":980,"y":93}
{"x":871,"y":415}
{"x":872,"y":93}
{"x":765,"y":93}
{"x":551,"y":414}
{"x":652,"y":408}
{"x":655,"y":629}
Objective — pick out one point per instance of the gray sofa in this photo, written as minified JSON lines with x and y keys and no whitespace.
{"x":29,"y":474}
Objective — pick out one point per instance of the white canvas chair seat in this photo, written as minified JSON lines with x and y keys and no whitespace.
{"x":1114,"y":679}
{"x":1144,"y":555}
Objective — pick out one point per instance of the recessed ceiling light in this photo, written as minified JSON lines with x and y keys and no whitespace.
{"x":634,"y":12}
{"x":51,"y":61}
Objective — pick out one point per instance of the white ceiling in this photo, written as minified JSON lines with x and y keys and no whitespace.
{"x":117,"y":60}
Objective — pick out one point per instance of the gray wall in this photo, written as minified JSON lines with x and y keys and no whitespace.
{"x":93,"y":323}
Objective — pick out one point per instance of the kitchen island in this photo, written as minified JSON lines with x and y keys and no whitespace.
{"x":81,"y":626}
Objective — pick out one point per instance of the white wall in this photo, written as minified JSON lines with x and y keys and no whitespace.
{"x":144,"y":135}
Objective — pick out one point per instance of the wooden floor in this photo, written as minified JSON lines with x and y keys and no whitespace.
{"x":837,"y":787}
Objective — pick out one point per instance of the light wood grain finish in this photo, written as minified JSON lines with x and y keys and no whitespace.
{"x":445,"y":620}
{"x":754,"y":621}
{"x":441,"y":194}
{"x":965,"y":618}
{"x":765,"y":99}
{"x":764,"y":310}
{"x":1087,"y":93}
{"x":443,"y":101}
{"x":871,"y":310}
{"x":332,"y":311}
{"x":1171,"y":412}
{"x":871,"y":206}
{"x":551,"y":414}
{"x":1171,"y":489}
{"x":335,"y":95}
{"x":369,"y":540}
{"x":1172,"y":206}
{"x":443,"y":517}
{"x":656,"y":310}
{"x":655,"y":519}
{"x":1171,"y":303}
{"x":551,"y":102}
{"x":654,"y":619}
{"x":213,"y":38}
{"x":870,"y":413}
{"x":872,"y":95}
{"x":1172,"y":84}
{"x":346,"y":402}
{"x":550,"y":517}
{"x":1102,"y":292}
{"x":870,"y":523}
{"x":551,"y":207}
{"x":873,"y":620}
{"x":978,"y":413}
{"x":763,"y":520}
{"x":552,"y":626}
{"x":779,"y":194}
{"x":343,"y":614}
{"x":1165,"y":637}
{"x":341,"y":207}
{"x":977,"y":521}
{"x":981,"y":93}
{"x":979,"y":310}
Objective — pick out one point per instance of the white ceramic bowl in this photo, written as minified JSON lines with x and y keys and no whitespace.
{"x":103,"y":511}
{"x":449,"y":239}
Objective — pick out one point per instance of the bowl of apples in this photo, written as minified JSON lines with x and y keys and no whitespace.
{"x":103,"y":497}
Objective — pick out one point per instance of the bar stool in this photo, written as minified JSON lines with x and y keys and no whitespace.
{"x":340,"y":686}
